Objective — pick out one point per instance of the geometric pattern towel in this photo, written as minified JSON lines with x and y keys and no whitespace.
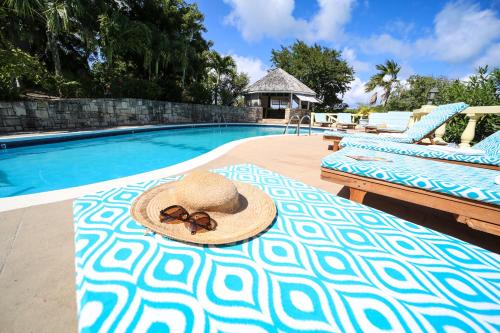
{"x":326,"y":264}
{"x":421,"y":151}
{"x":452,"y":179}
{"x":420,"y":129}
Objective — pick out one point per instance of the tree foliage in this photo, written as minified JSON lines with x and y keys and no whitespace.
{"x":482,"y":88}
{"x":320,"y":68}
{"x":128,"y":48}
{"x":414,"y":93}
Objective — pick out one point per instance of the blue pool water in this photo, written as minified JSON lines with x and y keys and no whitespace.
{"x":61,"y":165}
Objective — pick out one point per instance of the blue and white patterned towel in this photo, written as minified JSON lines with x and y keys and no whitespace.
{"x":327,"y":264}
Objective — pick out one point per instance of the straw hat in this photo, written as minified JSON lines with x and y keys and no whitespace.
{"x":240,"y":210}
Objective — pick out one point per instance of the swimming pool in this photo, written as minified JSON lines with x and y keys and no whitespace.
{"x":40,"y":168}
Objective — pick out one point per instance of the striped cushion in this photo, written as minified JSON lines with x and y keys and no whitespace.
{"x":420,"y":151}
{"x":490,"y":145}
{"x":456,"y":180}
{"x":396,"y":138}
{"x":433,"y":120}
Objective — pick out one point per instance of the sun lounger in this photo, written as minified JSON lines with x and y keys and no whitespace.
{"x":344,"y":120}
{"x":323,"y":119}
{"x":326,"y":264}
{"x":485,"y":154}
{"x":398,"y":120}
{"x":422,"y":129}
{"x":469,"y":193}
{"x":388,"y":122}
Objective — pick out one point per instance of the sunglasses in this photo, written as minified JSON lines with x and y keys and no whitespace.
{"x":192,"y":221}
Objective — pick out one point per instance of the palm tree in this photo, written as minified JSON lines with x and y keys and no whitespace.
{"x":54,"y":14}
{"x":386,"y":77}
{"x":221,"y":65}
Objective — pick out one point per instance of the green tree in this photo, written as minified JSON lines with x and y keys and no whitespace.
{"x":320,"y":68}
{"x":55,"y":15}
{"x":385,"y":78}
{"x":232,"y":86}
{"x":414,"y":93}
{"x":221,"y":66}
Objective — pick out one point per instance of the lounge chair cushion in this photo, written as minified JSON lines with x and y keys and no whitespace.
{"x":418,"y":150}
{"x":430,"y":122}
{"x":344,"y":118}
{"x":420,"y":129}
{"x":452,"y":179}
{"x":326,"y":264}
{"x":398,"y":120}
{"x":393,"y":137}
{"x":490,"y":145}
{"x":320,"y":118}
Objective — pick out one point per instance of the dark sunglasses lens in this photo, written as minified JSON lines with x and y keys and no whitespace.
{"x":201,"y":219}
{"x":176,"y":212}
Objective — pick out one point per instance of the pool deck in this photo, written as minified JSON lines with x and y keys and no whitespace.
{"x":37,"y":275}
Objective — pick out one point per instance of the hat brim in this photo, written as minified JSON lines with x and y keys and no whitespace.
{"x":257,"y":211}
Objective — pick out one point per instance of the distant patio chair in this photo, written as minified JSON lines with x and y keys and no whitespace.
{"x":344,"y":118}
{"x":398,"y":120}
{"x":323,"y":119}
{"x":392,"y":121}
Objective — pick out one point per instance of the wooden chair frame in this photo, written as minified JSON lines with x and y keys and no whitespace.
{"x":477,"y":215}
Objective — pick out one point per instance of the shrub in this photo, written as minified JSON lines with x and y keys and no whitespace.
{"x":18,"y":70}
{"x":480,"y":89}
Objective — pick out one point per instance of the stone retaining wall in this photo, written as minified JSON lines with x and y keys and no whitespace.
{"x":102,"y":113}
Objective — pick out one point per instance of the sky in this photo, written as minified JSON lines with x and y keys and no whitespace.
{"x":426,"y":37}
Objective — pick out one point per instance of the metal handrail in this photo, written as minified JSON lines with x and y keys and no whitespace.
{"x":289,"y":121}
{"x":300,"y":122}
{"x":223,"y":119}
{"x":219,"y":118}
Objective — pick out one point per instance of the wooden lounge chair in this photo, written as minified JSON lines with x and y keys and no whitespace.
{"x":423,"y":129}
{"x":469,"y":193}
{"x":323,"y":119}
{"x":344,"y":121}
{"x":485,"y":154}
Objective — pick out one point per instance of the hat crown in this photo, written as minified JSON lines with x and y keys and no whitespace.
{"x":209,"y":192}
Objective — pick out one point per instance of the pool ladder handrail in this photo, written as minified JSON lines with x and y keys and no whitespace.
{"x":298,"y":123}
{"x":289,"y":122}
{"x":219,"y":118}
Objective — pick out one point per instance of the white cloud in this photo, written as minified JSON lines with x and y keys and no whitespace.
{"x":357,"y":95}
{"x":490,"y":58}
{"x":254,"y":67}
{"x":359,"y":66}
{"x":386,"y":44}
{"x":329,"y":21}
{"x":274,"y":18}
{"x":461,"y":31}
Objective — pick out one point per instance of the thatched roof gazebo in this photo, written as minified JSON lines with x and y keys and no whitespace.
{"x":278,"y":91}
